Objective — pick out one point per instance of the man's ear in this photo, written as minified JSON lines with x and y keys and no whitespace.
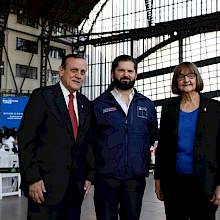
{"x":135,"y":76}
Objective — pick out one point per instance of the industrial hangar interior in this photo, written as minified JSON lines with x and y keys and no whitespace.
{"x":159,"y":34}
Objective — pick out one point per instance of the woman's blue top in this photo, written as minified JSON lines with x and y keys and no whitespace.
{"x":186,"y":141}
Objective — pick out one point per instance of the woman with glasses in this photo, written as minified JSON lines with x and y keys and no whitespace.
{"x":187,"y":171}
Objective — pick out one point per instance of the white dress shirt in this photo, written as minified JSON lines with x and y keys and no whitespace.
{"x":118,"y":96}
{"x":66,"y":93}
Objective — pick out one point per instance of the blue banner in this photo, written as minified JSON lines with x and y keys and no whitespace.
{"x":11,"y":110}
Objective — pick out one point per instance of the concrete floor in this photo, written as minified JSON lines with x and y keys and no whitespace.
{"x":14,"y":208}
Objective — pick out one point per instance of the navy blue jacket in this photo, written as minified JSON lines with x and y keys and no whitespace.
{"x":123,"y":142}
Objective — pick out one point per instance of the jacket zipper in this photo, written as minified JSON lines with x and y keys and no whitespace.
{"x":130,"y":113}
{"x":126,"y":144}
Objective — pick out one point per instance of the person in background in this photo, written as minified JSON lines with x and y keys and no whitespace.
{"x":125,"y":125}
{"x":2,"y":131}
{"x":9,"y":139}
{"x":187,"y":171}
{"x":55,"y":151}
{"x":1,"y":135}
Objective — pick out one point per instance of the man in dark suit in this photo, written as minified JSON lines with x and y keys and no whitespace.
{"x":55,"y":151}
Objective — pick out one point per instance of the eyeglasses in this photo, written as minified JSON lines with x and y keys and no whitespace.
{"x":181,"y":77}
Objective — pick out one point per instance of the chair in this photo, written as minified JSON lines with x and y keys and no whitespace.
{"x":9,"y":181}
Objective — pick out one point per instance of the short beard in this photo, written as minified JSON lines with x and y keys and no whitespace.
{"x":123,"y":86}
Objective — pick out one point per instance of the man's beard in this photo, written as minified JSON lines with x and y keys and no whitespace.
{"x":123,"y":85}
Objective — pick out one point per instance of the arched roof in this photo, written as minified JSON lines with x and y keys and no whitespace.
{"x":70,"y":12}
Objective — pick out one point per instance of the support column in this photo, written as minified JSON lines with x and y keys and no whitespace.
{"x":180,"y":49}
{"x":45,"y":43}
{"x":3,"y":23}
{"x":149,"y":6}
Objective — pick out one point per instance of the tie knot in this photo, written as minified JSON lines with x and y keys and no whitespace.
{"x":71,"y":96}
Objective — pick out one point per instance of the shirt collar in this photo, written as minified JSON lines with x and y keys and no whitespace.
{"x":65,"y":91}
{"x":117,"y":93}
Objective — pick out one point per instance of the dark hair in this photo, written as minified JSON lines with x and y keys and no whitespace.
{"x":123,"y":58}
{"x":7,"y":133}
{"x":178,"y":70}
{"x":64,"y":59}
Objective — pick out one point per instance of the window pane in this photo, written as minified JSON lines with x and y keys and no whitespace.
{"x":26,"y":71}
{"x":57,"y":53}
{"x":26,"y":45}
{"x":27,"y":21}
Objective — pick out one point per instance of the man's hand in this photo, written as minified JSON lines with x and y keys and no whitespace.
{"x":216,"y":197}
{"x":36,"y":191}
{"x":87,"y":188}
{"x":158,"y":190}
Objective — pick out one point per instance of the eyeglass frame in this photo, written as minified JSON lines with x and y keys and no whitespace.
{"x":181,"y":77}
{"x":193,"y":69}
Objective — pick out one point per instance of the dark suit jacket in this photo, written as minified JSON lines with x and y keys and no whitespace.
{"x":207,"y":144}
{"x":47,"y":148}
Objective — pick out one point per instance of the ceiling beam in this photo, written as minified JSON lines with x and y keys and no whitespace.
{"x":187,"y":26}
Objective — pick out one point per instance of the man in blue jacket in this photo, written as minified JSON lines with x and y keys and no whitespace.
{"x":126,"y":127}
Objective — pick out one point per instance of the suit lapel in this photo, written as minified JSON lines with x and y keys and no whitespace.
{"x":202,"y":115}
{"x":175,"y":111}
{"x":60,"y":110}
